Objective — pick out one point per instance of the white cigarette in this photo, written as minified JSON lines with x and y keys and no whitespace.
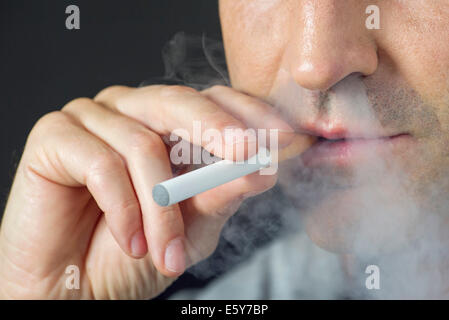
{"x":198,"y":181}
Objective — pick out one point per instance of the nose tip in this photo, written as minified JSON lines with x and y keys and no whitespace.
{"x":322,"y":68}
{"x":317,"y":75}
{"x":323,"y":72}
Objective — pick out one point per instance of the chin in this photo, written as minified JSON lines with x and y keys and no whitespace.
{"x":358,"y":222}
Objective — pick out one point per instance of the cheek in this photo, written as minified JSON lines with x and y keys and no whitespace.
{"x":254,"y":40}
{"x":425,"y":67}
{"x":416,"y":37}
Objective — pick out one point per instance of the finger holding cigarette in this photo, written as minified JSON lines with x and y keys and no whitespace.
{"x":206,"y":178}
{"x":299,"y":144}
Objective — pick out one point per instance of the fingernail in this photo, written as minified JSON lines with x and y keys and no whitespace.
{"x":175,"y":260}
{"x":139,"y":244}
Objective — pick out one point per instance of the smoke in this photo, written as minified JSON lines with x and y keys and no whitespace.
{"x":373,"y":211}
{"x":196,"y":61}
{"x":389,"y":209}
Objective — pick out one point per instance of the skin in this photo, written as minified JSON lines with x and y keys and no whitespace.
{"x":82,"y":192}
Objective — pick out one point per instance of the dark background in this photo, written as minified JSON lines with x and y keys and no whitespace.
{"x":44,"y":66}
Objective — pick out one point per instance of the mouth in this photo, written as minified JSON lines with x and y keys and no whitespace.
{"x":343,"y":152}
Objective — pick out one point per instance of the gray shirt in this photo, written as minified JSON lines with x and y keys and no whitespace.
{"x":291,"y":267}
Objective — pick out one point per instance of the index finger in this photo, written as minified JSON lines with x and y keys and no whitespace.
{"x":188,"y":114}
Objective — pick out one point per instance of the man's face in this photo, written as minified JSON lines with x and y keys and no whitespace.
{"x":378,"y":99}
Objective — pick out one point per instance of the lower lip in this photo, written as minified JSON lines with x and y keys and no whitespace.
{"x":351,"y":151}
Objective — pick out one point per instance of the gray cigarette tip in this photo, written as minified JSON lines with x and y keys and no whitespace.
{"x":161,"y":196}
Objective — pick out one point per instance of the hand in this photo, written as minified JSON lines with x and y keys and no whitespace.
{"x":82,"y":194}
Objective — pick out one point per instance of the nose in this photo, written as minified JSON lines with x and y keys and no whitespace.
{"x":332,"y":44}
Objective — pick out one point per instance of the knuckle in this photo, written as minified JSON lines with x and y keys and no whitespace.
{"x":177,"y":91}
{"x":126,"y":208}
{"x":145,"y":142}
{"x":169,"y":215}
{"x":109,"y":91}
{"x":103,"y":163}
{"x":50,"y":121}
{"x":77,"y":105}
{"x":50,"y":118}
